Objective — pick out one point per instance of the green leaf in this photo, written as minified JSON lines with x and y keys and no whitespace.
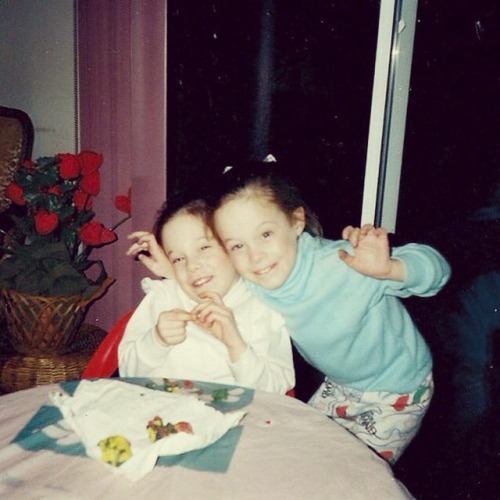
{"x":65,"y":211}
{"x":44,"y":269}
{"x":49,"y":177}
{"x":86,"y":216}
{"x":54,"y":204}
{"x":87,"y":264}
{"x":33,"y":198}
{"x":25,"y":224}
{"x":68,"y":236}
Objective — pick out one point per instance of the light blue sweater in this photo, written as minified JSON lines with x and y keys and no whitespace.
{"x":354,"y":328}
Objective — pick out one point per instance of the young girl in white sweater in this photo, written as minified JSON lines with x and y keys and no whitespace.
{"x":205,"y":324}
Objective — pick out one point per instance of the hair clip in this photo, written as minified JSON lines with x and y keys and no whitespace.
{"x":269,"y":158}
{"x":227,"y":169}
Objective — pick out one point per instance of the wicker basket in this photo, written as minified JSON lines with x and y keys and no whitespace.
{"x":22,"y":371}
{"x":45,"y":325}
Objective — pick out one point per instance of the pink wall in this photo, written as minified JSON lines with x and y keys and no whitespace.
{"x":122,"y":60}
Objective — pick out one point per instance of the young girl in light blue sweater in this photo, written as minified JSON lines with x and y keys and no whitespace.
{"x":341,"y":303}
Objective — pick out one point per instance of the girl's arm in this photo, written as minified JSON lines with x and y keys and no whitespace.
{"x":426,"y":270}
{"x":420,"y":269}
{"x":267,"y":364}
{"x":218,"y":319}
{"x":141,"y":352}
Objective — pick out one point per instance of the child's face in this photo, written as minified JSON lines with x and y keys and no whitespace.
{"x":260,"y":239}
{"x":200,"y":264}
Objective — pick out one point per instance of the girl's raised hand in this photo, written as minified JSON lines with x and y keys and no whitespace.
{"x":218,"y":319}
{"x":171,"y":326}
{"x":146,"y":249}
{"x":372,"y":253}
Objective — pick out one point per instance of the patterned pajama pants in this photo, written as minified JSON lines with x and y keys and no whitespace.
{"x":385,"y":421}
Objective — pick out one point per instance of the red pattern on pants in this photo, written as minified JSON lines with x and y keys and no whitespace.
{"x":385,"y":421}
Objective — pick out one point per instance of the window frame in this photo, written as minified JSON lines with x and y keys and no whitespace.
{"x":391,"y":85}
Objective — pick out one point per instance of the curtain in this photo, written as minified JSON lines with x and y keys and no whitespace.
{"x":122,"y":96}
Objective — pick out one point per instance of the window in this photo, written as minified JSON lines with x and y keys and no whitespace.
{"x":293,"y":79}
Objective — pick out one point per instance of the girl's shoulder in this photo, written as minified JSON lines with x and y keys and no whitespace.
{"x":319,"y":244}
{"x":247,"y":306}
{"x":150,"y":285}
{"x":165,"y":294}
{"x":327,"y":248}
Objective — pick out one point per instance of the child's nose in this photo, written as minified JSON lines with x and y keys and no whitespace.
{"x":193,"y":264}
{"x":256,"y":254}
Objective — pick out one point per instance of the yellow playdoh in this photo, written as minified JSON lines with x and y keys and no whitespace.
{"x":115,"y":450}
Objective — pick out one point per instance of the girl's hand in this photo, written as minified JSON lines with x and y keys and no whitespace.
{"x":146,"y":249}
{"x":372,"y":253}
{"x":171,"y":326}
{"x":218,"y":319}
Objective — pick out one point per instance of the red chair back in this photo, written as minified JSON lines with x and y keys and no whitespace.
{"x":104,"y":362}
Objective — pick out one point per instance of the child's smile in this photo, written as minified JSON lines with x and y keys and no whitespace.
{"x":266,"y":270}
{"x":201,"y":281}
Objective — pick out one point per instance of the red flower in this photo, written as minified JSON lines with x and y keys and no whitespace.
{"x":82,"y":200}
{"x":69,"y":168}
{"x":15,"y":194}
{"x":55,"y":190}
{"x":90,"y":161}
{"x":46,"y":222}
{"x":91,"y":183}
{"x":95,"y":234}
{"x":29,"y":164}
{"x":58,"y":194}
{"x":124,"y":203}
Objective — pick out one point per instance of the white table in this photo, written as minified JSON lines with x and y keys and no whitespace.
{"x":287,"y":450}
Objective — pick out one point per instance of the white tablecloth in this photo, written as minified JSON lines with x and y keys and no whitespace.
{"x":286,"y":450}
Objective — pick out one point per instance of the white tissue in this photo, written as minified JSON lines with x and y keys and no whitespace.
{"x":103,"y":408}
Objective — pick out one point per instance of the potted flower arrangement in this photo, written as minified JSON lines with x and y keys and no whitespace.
{"x":44,"y":272}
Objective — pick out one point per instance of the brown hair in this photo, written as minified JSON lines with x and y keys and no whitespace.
{"x":178,"y":205}
{"x":262,"y":179}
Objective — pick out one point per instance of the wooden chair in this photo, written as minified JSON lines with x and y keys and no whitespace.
{"x":16,"y":144}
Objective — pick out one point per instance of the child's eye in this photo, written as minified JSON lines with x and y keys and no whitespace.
{"x":176,"y":260}
{"x":205,"y":247}
{"x":266,"y":234}
{"x":234,"y":248}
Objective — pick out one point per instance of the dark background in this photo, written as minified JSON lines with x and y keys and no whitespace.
{"x":297,"y":83}
{"x":323,"y":56}
{"x":321,"y":74}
